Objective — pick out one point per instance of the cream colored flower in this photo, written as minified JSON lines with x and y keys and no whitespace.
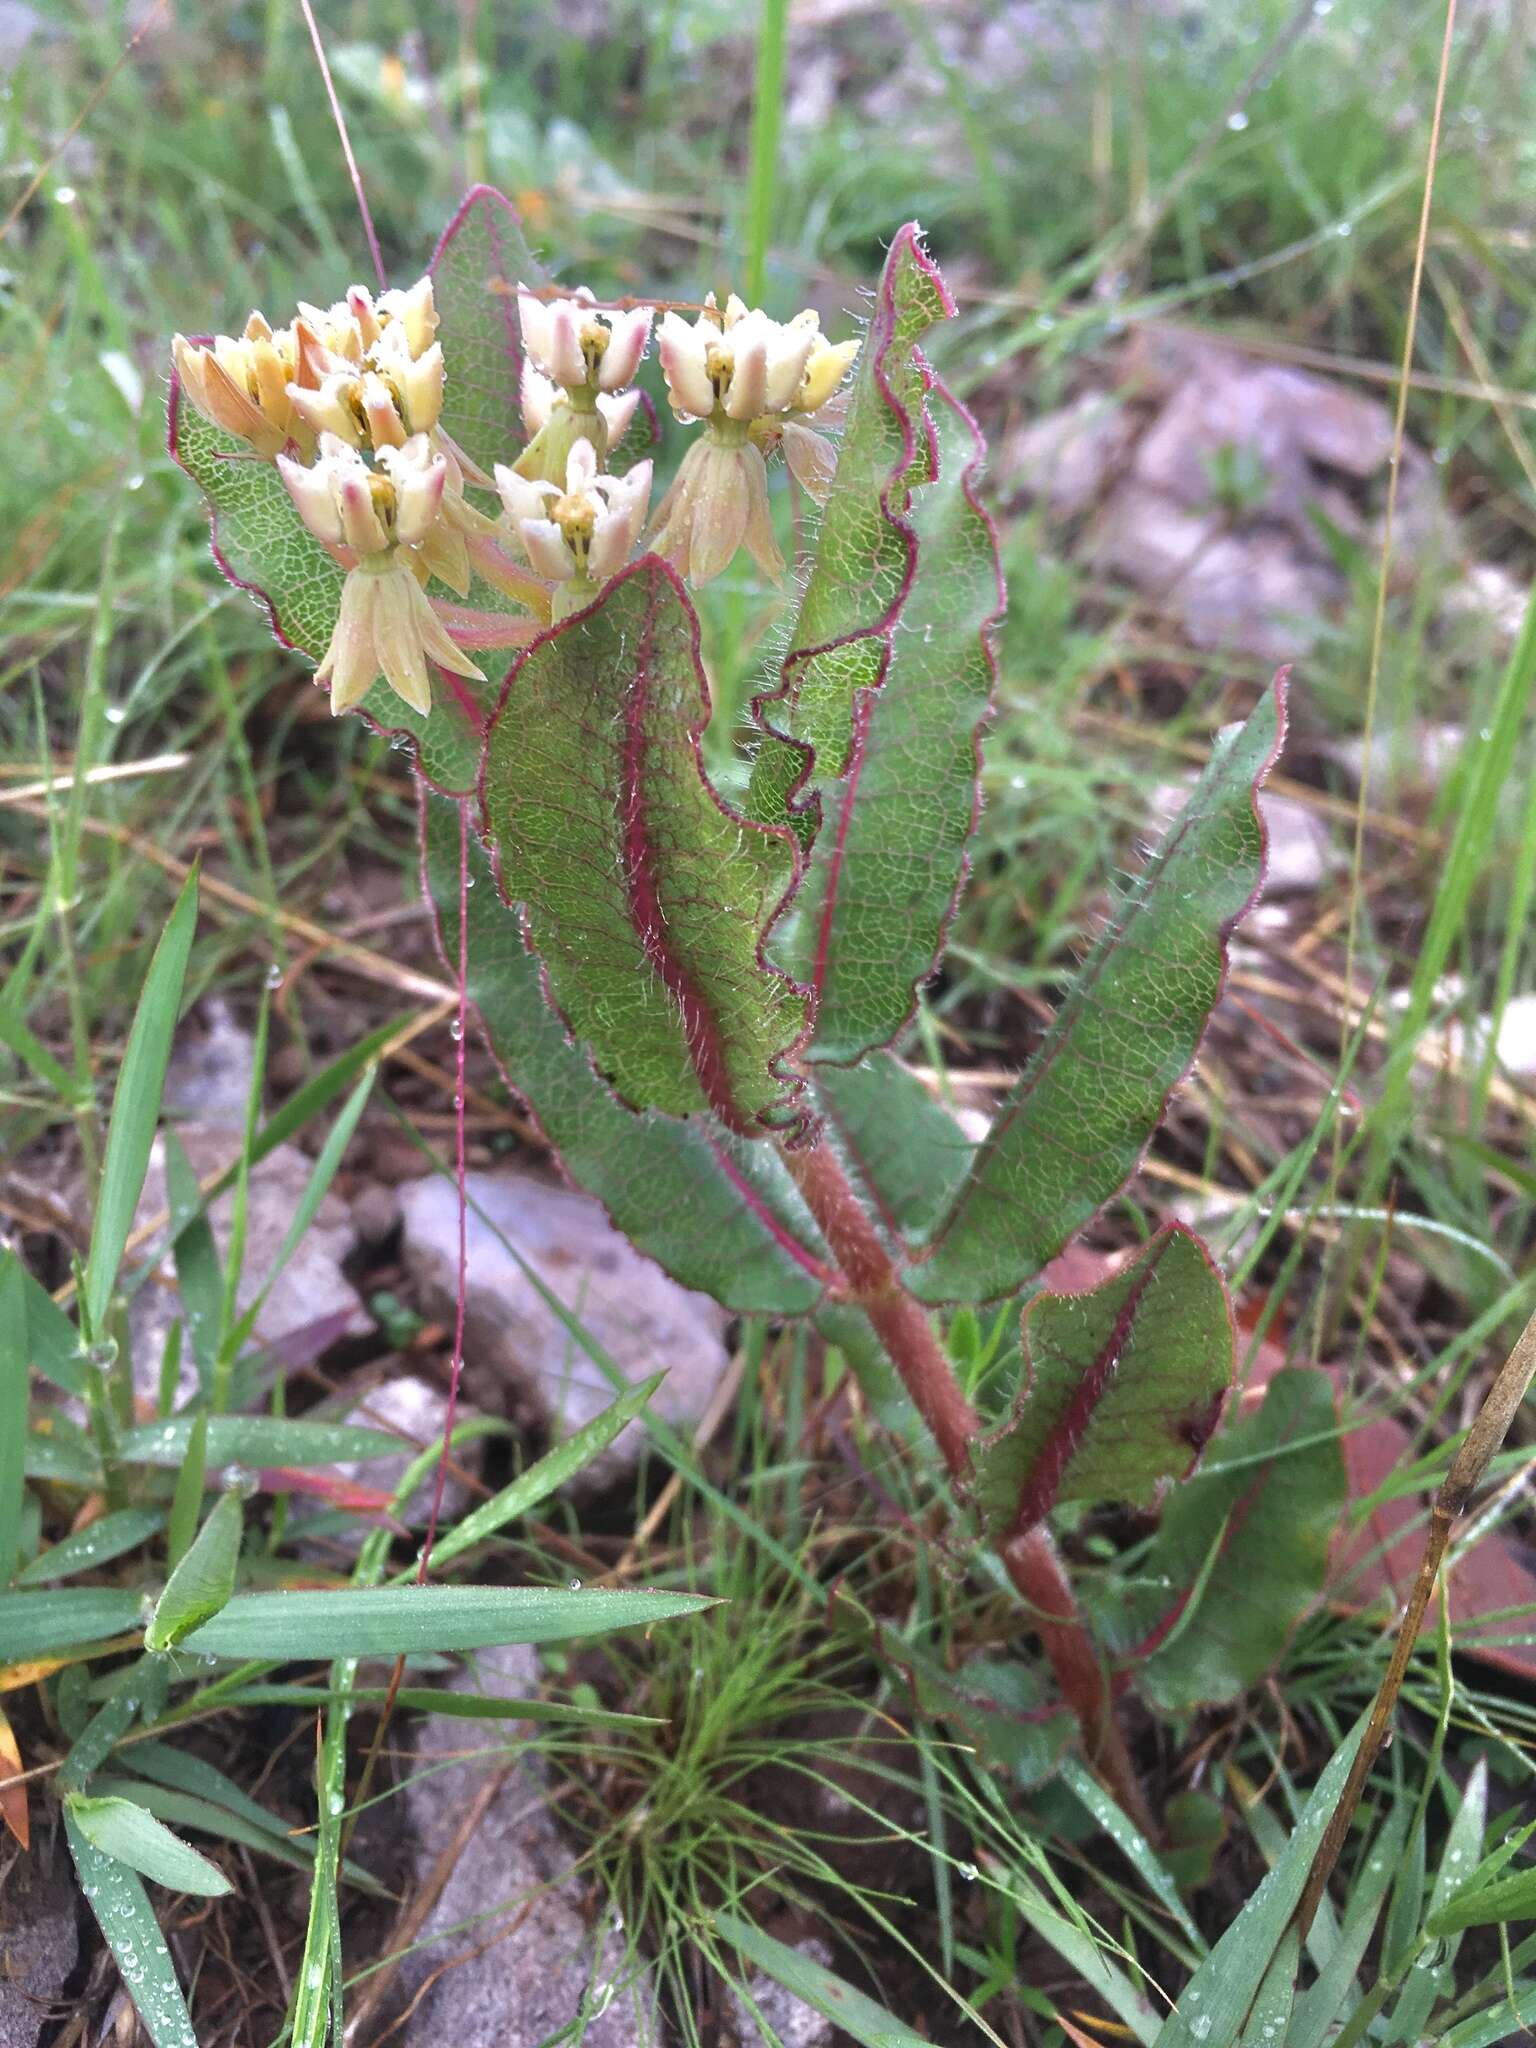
{"x":541,"y":397}
{"x":718,"y":502}
{"x":381,"y":402}
{"x":739,"y":363}
{"x":578,"y":346}
{"x":585,"y":533}
{"x":242,"y":384}
{"x":386,"y":626}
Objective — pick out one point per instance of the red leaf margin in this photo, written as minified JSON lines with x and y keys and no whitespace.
{"x":796,"y":1121}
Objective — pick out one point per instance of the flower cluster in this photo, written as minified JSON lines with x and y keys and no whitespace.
{"x":752,"y":381}
{"x":347,"y":400}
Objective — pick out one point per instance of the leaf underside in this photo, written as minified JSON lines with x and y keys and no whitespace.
{"x":716,"y":1212}
{"x":864,"y":555}
{"x":643,"y":895}
{"x":1120,"y":1391}
{"x":889,"y":862}
{"x":1075,"y":1126}
{"x":1268,"y":1502}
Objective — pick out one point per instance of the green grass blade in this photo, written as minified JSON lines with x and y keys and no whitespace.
{"x":869,"y":2024}
{"x":130,"y":1833}
{"x":125,"y":1916}
{"x":13,"y":1413}
{"x":136,"y":1103}
{"x":97,"y":1544}
{"x":36,"y":1624}
{"x":542,"y":1479}
{"x":257,"y":1440}
{"x":767,"y":120}
{"x":51,"y":1341}
{"x":187,"y":1500}
{"x":199,"y":1279}
{"x":1214,"y":2006}
{"x":409,"y":1620}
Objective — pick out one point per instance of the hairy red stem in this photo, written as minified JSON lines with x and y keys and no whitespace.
{"x":873,"y":1283}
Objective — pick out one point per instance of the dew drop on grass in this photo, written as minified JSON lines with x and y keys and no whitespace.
{"x":575,"y":1585}
{"x":455,"y":1030}
{"x":274,"y":976}
{"x":1201,"y":2027}
{"x":114,"y":714}
{"x":968,"y":1871}
{"x":1237,"y":121}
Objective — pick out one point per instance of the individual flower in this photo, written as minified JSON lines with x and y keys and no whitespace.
{"x":752,"y":381}
{"x":579,"y":536}
{"x":583,"y":359}
{"x":578,"y":346}
{"x":390,"y":520}
{"x":380,"y":402}
{"x":242,"y":384}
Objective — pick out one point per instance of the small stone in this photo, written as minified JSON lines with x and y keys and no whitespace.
{"x":517,"y":1350}
{"x":375,"y":1214}
{"x":310,"y":1292}
{"x":1069,"y":457}
{"x":794,"y":2024}
{"x":208,"y":1080}
{"x":513,"y":1887}
{"x":417,"y":1411}
{"x":1301,"y":851}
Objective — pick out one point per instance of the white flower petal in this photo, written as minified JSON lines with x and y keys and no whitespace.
{"x":545,"y":547}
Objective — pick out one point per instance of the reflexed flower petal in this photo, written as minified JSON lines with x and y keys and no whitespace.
{"x":434,"y":639}
{"x":397,"y":639}
{"x":762,"y":542}
{"x":618,"y":414}
{"x":351,"y":666}
{"x":811,"y":457}
{"x":445,"y":551}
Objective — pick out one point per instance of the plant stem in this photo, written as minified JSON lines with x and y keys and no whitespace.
{"x":872,"y":1283}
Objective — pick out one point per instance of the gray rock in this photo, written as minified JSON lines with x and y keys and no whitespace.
{"x":541,"y":1964}
{"x":311,"y":1292}
{"x":792,"y":2022}
{"x":1301,"y":848}
{"x":208,"y":1080}
{"x":1069,"y":457}
{"x":39,"y":1937}
{"x":517,"y":1350}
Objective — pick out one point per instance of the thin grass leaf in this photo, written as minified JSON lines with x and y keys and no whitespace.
{"x":206,"y":1817}
{"x":136,"y":1103}
{"x":1214,"y":2006}
{"x":33,"y":1624}
{"x":409,"y":1620}
{"x":50,"y":1339}
{"x":199,"y":1280}
{"x":125,"y":1916}
{"x":549,"y":1474}
{"x":13,"y":1414}
{"x":187,"y":1500}
{"x":97,"y":1544}
{"x":873,"y":2026}
{"x":204,"y":1580}
{"x":257,"y":1440}
{"x":69,"y":1460}
{"x":123,"y":1829}
{"x":767,"y":120}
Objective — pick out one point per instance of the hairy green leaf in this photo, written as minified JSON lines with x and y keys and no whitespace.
{"x":644,"y":897}
{"x":130,"y":1833}
{"x":719,"y":1213}
{"x":123,"y":1913}
{"x":476,"y":269}
{"x":1076,"y":1124}
{"x":408,"y":1620}
{"x":900,"y":1146}
{"x":1120,"y":1390}
{"x":1245,"y":1543}
{"x":883,"y":878}
{"x":862,"y":573}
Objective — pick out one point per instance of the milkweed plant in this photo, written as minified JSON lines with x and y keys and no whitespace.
{"x":439,"y":495}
